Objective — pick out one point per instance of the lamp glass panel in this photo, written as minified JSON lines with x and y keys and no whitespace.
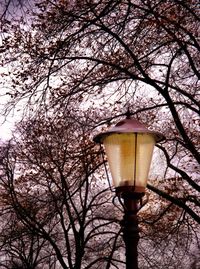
{"x":129,"y":157}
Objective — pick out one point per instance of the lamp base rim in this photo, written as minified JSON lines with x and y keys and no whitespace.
{"x":130,"y":191}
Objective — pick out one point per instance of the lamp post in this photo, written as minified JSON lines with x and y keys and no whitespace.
{"x":129,"y":148}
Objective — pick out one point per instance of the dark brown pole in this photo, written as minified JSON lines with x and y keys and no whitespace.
{"x":130,"y":231}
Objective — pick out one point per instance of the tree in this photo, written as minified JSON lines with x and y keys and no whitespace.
{"x":108,"y":55}
{"x":78,"y":50}
{"x":58,"y":203}
{"x":57,"y":200}
{"x":20,"y":247}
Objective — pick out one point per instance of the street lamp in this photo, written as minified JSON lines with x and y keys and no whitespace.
{"x":129,"y":148}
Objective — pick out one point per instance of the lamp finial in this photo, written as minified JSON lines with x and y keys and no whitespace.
{"x":128,"y":113}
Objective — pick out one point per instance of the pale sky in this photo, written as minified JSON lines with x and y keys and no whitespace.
{"x":6,"y":128}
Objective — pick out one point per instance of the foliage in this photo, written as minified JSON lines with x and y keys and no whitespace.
{"x":55,"y":196}
{"x":97,"y":58}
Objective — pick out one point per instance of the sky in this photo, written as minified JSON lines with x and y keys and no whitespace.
{"x":6,"y":130}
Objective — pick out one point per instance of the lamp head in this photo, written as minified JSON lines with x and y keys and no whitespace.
{"x":129,"y":148}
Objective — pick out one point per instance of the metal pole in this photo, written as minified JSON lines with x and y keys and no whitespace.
{"x":130,"y":231}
